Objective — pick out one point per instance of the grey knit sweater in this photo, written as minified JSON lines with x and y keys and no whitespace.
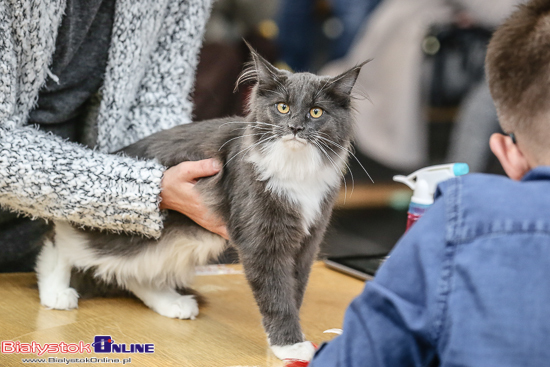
{"x":149,"y":76}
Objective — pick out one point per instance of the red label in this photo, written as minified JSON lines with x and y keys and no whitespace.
{"x":411,"y":219}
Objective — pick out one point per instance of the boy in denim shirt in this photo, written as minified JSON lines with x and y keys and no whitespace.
{"x":469,"y":284}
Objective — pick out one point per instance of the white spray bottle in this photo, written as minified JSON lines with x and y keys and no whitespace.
{"x":424,"y":183}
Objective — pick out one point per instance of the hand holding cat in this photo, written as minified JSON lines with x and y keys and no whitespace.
{"x":178,"y":193}
{"x":292,"y":147}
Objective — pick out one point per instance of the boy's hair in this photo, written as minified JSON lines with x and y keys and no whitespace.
{"x":518,"y":70}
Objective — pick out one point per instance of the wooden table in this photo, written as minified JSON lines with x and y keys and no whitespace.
{"x":227,"y":331}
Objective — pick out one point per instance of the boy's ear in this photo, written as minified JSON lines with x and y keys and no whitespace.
{"x":511,"y":158}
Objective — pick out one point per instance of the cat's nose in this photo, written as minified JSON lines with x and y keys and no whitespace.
{"x":295,"y":129}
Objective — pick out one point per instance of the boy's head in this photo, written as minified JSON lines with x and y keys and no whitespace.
{"x":518,"y":71}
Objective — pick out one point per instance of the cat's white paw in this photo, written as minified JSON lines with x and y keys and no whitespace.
{"x":184,"y":307}
{"x":65,"y":299}
{"x":303,"y":351}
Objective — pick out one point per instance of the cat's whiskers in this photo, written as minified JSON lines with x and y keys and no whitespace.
{"x":317,"y":144}
{"x":243,"y":128}
{"x":343,"y":160}
{"x":327,"y":138}
{"x":262,"y":148}
{"x":350,"y":152}
{"x":248,"y":148}
{"x":252,"y":123}
{"x":239,"y":137}
{"x":259,"y":129}
{"x":262,"y":129}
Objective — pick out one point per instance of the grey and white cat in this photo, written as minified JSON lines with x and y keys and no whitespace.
{"x":283,"y":166}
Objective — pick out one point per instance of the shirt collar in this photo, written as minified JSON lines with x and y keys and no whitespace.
{"x":537,"y":173}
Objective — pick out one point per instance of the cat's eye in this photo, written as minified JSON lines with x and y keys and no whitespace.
{"x":316,"y":112}
{"x":283,"y":108}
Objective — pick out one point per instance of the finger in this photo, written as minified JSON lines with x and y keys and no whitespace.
{"x":222,"y":231}
{"x":197,"y":169}
{"x":214,"y":224}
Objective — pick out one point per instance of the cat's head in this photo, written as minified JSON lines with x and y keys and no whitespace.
{"x":302,"y":110}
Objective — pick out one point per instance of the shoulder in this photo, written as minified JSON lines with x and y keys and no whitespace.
{"x":474,"y":183}
{"x":481,"y":204}
{"x":492,"y":194}
{"x":472,"y":187}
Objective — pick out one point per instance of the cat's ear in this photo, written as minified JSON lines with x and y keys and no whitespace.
{"x":343,"y":83}
{"x":259,"y":70}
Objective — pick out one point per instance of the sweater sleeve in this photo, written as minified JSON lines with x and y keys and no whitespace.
{"x":43,"y":176}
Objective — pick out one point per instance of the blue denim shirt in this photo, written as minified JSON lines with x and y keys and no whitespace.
{"x":468,"y":285}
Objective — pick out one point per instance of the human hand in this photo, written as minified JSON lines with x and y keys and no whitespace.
{"x":179,"y":194}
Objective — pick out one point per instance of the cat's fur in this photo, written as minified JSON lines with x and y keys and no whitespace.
{"x":276,"y":191}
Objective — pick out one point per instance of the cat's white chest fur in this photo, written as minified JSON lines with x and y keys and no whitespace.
{"x":297,"y":172}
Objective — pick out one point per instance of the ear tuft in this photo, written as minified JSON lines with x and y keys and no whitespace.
{"x":344,"y":82}
{"x":249,"y":74}
{"x":259,"y":69}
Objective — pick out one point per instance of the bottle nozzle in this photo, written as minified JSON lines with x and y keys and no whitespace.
{"x":424,"y":181}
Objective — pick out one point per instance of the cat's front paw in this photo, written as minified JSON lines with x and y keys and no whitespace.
{"x":184,"y":307}
{"x":66,"y":299}
{"x":303,"y":351}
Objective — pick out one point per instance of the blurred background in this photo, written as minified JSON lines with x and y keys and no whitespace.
{"x":423,"y":100}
